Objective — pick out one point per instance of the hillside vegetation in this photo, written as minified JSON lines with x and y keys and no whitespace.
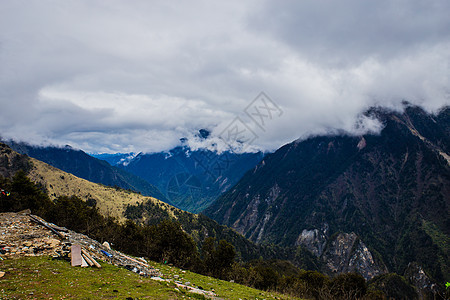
{"x":35,"y":277}
{"x":82,"y":165}
{"x":168,"y":242}
{"x":390,"y":189}
{"x":109,"y":200}
{"x":123,"y":204}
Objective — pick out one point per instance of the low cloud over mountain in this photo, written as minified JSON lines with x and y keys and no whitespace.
{"x":109,"y":76}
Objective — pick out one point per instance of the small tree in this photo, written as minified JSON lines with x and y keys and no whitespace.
{"x":224,"y":257}
{"x":173,"y":244}
{"x":24,"y":194}
{"x":218,"y":260}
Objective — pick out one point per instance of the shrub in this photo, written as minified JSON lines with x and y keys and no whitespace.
{"x":348,"y":286}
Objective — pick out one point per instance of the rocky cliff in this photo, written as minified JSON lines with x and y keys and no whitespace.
{"x":341,"y":253}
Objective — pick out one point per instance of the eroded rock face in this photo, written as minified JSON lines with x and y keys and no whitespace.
{"x":247,"y":221}
{"x":344,"y":253}
{"x":362,"y":261}
{"x":347,"y":253}
{"x":314,"y":240}
{"x":416,"y":276}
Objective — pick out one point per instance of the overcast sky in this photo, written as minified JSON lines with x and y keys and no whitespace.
{"x":122,"y":76}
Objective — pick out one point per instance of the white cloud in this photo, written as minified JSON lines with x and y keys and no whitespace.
{"x":115,"y":76}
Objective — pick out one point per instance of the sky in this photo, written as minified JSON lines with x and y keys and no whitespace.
{"x":131,"y":76}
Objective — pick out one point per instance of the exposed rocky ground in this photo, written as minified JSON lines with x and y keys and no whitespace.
{"x":23,"y":234}
{"x":344,"y":252}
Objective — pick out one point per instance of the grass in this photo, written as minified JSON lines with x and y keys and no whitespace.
{"x":44,"y":278}
{"x":110,"y":201}
{"x":223,"y":289}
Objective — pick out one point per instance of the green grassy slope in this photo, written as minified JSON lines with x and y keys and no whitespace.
{"x":44,"y":278}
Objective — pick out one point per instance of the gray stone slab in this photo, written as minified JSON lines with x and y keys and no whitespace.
{"x":76,"y":258}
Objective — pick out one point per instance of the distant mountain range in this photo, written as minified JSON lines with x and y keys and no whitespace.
{"x":190,"y":180}
{"x":343,"y":250}
{"x":372,"y":204}
{"x":84,"y":166}
{"x":119,"y":203}
{"x":345,"y":197}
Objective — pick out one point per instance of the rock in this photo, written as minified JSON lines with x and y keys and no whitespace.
{"x":53,"y":243}
{"x":27,"y":243}
{"x":157,"y":278}
{"x":347,"y":253}
{"x":416,"y":276}
{"x":107,"y":245}
{"x":314,"y":240}
{"x":21,"y":235}
{"x":362,"y":143}
{"x":344,"y":253}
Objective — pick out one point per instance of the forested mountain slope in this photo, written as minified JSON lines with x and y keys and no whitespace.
{"x":392,"y":190}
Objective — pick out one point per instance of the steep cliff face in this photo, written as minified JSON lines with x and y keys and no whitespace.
{"x":416,"y":276}
{"x":381,"y":187}
{"x":341,"y":253}
{"x":347,"y":253}
{"x":314,"y":240}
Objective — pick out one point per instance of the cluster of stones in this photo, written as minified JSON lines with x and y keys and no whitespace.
{"x":22,"y":234}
